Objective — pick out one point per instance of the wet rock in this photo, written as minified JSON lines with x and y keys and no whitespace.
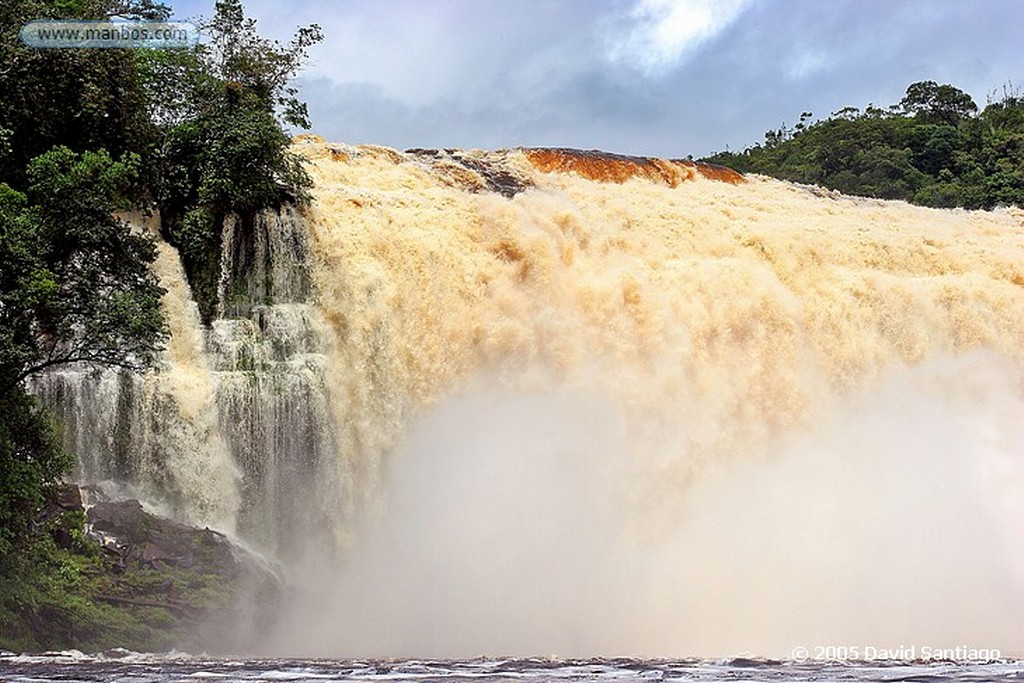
{"x":214,"y":595}
{"x":475,"y":170}
{"x":67,"y":498}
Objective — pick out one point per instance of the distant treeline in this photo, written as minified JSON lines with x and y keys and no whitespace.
{"x":935,"y":148}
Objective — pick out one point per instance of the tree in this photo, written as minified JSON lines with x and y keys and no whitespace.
{"x":933,"y":148}
{"x":81,"y":99}
{"x":934,"y":103}
{"x":263,"y":69}
{"x":77,"y":285}
{"x":223,"y":148}
{"x":83,"y":134}
{"x":31,"y":463}
{"x":74,"y":287}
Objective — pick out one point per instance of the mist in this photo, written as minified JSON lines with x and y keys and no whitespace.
{"x":510,"y":526}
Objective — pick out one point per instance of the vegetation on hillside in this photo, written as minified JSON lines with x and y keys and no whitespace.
{"x":933,"y":148}
{"x":84,"y":133}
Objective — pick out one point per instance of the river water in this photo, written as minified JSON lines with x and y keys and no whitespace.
{"x":125,"y":667}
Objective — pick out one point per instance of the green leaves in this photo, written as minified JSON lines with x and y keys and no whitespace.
{"x":261,"y":68}
{"x":84,"y":134}
{"x":932,"y":149}
{"x":223,"y":147}
{"x":76,"y":286}
{"x":31,"y":463}
{"x":82,"y":182}
{"x":931,"y":102}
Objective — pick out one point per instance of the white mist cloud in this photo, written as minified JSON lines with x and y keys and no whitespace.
{"x":663,"y":32}
{"x":508,"y":530}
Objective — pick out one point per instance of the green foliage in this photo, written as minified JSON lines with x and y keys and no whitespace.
{"x":933,"y":148}
{"x":75,"y":287}
{"x":81,"y":99}
{"x":223,"y":148}
{"x":44,"y":596}
{"x":943,"y":104}
{"x":52,"y":586}
{"x":76,"y":284}
{"x":197,"y":134}
{"x":31,"y":464}
{"x":259,"y":68}
{"x":206,"y":123}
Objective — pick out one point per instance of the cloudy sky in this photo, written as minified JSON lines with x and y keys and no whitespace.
{"x":657,"y":77}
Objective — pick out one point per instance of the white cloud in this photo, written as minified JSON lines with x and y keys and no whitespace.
{"x":807,"y":63}
{"x":659,"y":34}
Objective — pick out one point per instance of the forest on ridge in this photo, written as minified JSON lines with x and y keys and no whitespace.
{"x":935,"y":147}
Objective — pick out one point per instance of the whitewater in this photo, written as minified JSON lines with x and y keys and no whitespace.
{"x":547,"y":402}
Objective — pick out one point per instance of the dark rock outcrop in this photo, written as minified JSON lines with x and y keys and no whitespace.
{"x":210,"y":593}
{"x":475,"y":170}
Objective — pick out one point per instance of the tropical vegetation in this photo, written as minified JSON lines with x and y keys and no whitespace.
{"x":935,"y":147}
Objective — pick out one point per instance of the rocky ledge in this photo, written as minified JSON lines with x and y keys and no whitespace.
{"x":189,"y":588}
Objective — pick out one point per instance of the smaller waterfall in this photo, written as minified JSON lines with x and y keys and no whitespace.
{"x":268,"y":350}
{"x":235,"y":429}
{"x":265,"y":260}
{"x":157,"y":431}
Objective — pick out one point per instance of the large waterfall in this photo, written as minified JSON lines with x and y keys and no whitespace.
{"x":538,"y":401}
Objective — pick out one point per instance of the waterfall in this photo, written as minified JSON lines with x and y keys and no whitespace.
{"x":551,"y":384}
{"x":234,"y":429}
{"x":158,"y":432}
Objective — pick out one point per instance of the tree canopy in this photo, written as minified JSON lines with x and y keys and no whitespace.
{"x":76,"y":285}
{"x":933,"y":148}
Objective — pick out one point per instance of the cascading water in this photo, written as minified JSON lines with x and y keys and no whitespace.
{"x":158,"y":432}
{"x":551,"y":401}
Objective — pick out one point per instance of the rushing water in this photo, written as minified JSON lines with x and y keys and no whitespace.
{"x":538,"y":401}
{"x":124,"y":667}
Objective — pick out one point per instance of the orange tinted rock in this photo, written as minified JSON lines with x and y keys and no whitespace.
{"x":716,"y":172}
{"x":618,"y":168}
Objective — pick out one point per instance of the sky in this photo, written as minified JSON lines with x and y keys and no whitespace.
{"x":665,"y":78}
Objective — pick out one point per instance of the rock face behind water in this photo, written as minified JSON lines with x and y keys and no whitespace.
{"x":194,"y":588}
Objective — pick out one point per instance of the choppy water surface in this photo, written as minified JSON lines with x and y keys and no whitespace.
{"x":143,"y":668}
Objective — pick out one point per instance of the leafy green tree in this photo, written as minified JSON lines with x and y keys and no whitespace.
{"x":31,"y":463}
{"x":207,"y":123}
{"x":934,"y":148}
{"x":81,"y":99}
{"x":223,"y":146}
{"x":84,"y":134}
{"x":76,"y":286}
{"x":936,"y":103}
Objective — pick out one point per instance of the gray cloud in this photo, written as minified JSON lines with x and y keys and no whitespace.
{"x":479,"y":73}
